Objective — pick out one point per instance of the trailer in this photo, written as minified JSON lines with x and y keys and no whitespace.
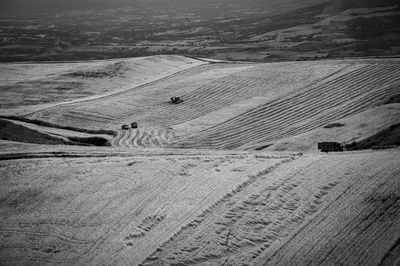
{"x":330,"y":146}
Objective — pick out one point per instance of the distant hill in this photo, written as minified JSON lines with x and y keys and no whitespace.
{"x":367,"y":3}
{"x":33,"y":8}
{"x":252,"y":30}
{"x":340,"y":5}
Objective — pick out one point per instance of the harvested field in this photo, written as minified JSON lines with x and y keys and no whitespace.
{"x":201,"y":95}
{"x":60,"y":82}
{"x":103,"y":210}
{"x":230,"y":176}
{"x":237,"y":106}
{"x":308,"y":108}
{"x":307,"y":212}
{"x":208,"y":207}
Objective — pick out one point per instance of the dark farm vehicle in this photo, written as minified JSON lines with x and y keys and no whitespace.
{"x":330,"y":146}
{"x":125,"y":127}
{"x":134,"y":125}
{"x":176,"y":100}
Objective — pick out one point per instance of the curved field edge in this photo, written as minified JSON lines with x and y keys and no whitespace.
{"x":13,"y":132}
{"x":20,"y":133}
{"x":51,"y":125}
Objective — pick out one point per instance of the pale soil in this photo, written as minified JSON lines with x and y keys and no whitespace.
{"x":177,"y":207}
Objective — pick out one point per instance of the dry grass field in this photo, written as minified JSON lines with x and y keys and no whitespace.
{"x":182,"y":207}
{"x":230,"y":176}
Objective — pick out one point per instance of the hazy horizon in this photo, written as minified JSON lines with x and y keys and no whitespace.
{"x":22,"y":7}
{"x":29,"y":7}
{"x":17,"y":8}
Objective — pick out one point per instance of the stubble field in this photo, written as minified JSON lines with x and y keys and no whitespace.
{"x":231,"y":176}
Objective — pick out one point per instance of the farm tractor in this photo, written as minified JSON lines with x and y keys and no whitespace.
{"x":176,"y":100}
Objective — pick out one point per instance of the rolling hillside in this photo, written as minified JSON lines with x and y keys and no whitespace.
{"x":311,"y":107}
{"x":236,"y":106}
{"x":230,"y":176}
{"x":59,"y":82}
{"x":100,"y":166}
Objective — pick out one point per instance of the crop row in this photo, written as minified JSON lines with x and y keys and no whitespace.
{"x":311,"y":108}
